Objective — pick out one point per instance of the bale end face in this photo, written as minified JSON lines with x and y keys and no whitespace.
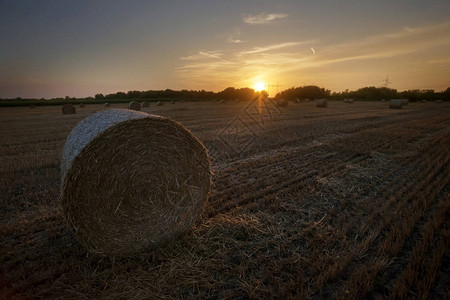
{"x":396,"y":103}
{"x":68,"y":109}
{"x":137,"y":183}
{"x":133,"y":105}
{"x":322,"y":103}
{"x":282,"y":102}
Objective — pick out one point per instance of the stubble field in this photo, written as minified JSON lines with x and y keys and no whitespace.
{"x":349,"y":201}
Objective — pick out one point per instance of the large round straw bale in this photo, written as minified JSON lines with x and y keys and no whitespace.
{"x":133,"y":105}
{"x":68,"y":109}
{"x":345,"y":100}
{"x":350,"y":100}
{"x":132,"y":181}
{"x":159,"y":103}
{"x":396,"y":103}
{"x":145,"y":104}
{"x":321,"y":103}
{"x":107,"y":104}
{"x":282,"y":102}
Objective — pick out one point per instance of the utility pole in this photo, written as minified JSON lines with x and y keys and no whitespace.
{"x":386,"y":82}
{"x":272,"y":86}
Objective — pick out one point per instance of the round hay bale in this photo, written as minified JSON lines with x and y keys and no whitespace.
{"x":350,"y":100}
{"x":423,"y":101}
{"x":133,"y":105}
{"x":345,"y":100}
{"x":159,"y":103}
{"x":439,"y":101}
{"x":81,"y":105}
{"x":68,"y":109}
{"x":145,"y":104}
{"x":321,"y":103}
{"x":282,"y":102}
{"x":107,"y":104}
{"x":396,"y":103}
{"x":132,"y":181}
{"x":221,"y":101}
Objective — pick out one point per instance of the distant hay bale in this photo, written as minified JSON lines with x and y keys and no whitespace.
{"x":396,"y":103}
{"x":345,"y":100}
{"x":321,"y":103}
{"x":145,"y":104}
{"x":81,"y":105}
{"x":131,"y":181}
{"x":350,"y":100}
{"x":172,"y":102}
{"x":383,"y":100}
{"x":297,"y":100}
{"x":423,"y":100}
{"x":282,"y":102}
{"x":133,"y":105}
{"x":107,"y":104}
{"x":159,"y":103}
{"x":439,"y":101}
{"x":221,"y":101}
{"x":68,"y":109}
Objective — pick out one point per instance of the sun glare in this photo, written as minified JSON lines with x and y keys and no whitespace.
{"x":259,"y":86}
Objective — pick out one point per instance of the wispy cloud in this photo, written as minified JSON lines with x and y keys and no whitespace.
{"x":233,"y":40}
{"x":263,"y":18}
{"x":269,"y":48}
{"x":295,"y":57}
{"x":203,"y":55}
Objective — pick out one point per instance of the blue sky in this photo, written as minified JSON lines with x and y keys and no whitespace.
{"x":80,"y":48}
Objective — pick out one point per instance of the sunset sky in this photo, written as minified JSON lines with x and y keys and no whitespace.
{"x":80,"y":48}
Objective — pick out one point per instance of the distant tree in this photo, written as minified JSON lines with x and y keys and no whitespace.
{"x":264,"y":93}
{"x":99,"y":96}
{"x":304,"y":92}
{"x":446,"y":94}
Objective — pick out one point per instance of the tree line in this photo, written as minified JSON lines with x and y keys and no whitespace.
{"x":365,"y":93}
{"x":246,"y":94}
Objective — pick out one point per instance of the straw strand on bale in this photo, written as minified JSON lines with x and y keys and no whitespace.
{"x":132,"y":181}
{"x":68,"y":109}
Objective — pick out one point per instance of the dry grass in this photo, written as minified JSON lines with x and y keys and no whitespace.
{"x":347,"y":202}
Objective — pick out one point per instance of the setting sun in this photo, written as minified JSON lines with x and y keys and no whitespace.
{"x":259,"y":86}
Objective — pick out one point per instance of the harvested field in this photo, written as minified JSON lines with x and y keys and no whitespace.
{"x":343,"y":202}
